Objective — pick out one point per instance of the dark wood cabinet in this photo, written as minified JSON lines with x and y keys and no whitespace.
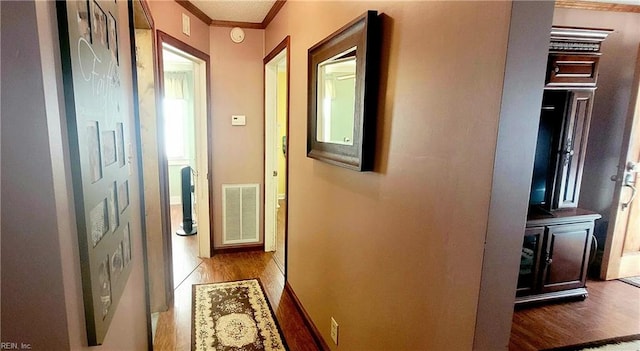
{"x":555,"y":255}
{"x":557,"y":240}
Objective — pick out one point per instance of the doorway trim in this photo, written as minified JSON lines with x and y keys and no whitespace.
{"x":270,"y":238}
{"x":137,"y":8}
{"x":616,"y":263}
{"x":204,"y":241}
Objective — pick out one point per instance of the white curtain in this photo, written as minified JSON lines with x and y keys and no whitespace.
{"x":175,"y":86}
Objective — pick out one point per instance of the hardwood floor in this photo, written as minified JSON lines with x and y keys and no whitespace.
{"x":611,"y":310}
{"x":279,"y":255}
{"x":174,"y":326}
{"x":184,"y":249}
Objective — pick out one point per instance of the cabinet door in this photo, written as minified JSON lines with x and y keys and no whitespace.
{"x":529,"y":261}
{"x":573,"y":149}
{"x":566,"y":256}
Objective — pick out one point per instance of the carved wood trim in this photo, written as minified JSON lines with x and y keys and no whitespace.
{"x":596,"y":6}
{"x":577,"y":39}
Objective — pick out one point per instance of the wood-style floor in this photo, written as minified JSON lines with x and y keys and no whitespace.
{"x":184,"y":249}
{"x":611,"y":310}
{"x":279,"y":255}
{"x":174,"y":326}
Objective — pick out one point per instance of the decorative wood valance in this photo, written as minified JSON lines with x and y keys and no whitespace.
{"x":577,"y":39}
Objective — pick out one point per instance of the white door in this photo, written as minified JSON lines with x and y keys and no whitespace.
{"x":622,"y":249}
{"x":276,"y":119}
{"x":201,"y":176}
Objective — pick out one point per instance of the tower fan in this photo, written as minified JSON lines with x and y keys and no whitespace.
{"x":188,"y":226}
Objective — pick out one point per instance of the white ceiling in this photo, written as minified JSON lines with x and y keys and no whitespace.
{"x":252,"y":11}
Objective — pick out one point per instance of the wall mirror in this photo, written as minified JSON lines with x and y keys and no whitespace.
{"x":342,"y":101}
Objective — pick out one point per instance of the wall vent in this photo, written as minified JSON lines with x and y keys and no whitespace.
{"x":240,"y":213}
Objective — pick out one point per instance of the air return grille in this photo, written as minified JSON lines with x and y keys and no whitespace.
{"x":240,"y":212}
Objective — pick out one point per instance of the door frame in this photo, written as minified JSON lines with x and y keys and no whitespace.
{"x":271,"y":209}
{"x":141,"y":7}
{"x":204,"y":241}
{"x":613,"y":266}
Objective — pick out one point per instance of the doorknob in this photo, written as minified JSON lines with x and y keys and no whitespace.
{"x":627,"y":178}
{"x":629,"y":182}
{"x":633,"y":195}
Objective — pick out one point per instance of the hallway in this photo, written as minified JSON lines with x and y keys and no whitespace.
{"x":174,"y":326}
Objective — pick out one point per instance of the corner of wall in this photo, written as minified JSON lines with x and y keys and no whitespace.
{"x":521,"y":98}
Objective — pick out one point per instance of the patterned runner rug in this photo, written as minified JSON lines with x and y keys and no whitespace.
{"x":233,"y":316}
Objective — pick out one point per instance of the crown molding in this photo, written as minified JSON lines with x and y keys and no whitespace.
{"x":189,"y":6}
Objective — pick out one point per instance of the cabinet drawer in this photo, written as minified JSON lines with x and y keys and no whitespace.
{"x":572,"y":70}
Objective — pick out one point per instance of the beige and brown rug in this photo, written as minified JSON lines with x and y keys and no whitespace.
{"x":233,"y":316}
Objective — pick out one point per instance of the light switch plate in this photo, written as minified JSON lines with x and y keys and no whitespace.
{"x":186,"y":25}
{"x":238,"y":120}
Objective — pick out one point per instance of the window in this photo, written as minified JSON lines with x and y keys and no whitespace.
{"x":175,"y":111}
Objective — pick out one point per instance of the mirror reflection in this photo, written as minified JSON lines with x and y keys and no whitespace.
{"x":337,"y":98}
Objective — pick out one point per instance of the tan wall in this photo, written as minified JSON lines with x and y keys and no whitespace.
{"x":43,"y":294}
{"x":167,"y":17}
{"x":236,"y":89}
{"x":395,"y":255}
{"x":611,"y":100}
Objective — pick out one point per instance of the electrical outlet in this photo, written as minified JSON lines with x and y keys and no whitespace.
{"x":334,"y":331}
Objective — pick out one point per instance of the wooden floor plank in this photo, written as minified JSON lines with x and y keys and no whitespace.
{"x":611,"y":310}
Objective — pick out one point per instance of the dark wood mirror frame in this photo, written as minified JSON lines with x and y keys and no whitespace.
{"x":364,"y":34}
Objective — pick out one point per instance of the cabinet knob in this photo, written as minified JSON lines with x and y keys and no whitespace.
{"x":556,"y":69}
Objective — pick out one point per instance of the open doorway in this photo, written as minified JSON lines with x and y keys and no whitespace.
{"x":276,"y":75}
{"x":179,"y":114}
{"x":184,"y":133}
